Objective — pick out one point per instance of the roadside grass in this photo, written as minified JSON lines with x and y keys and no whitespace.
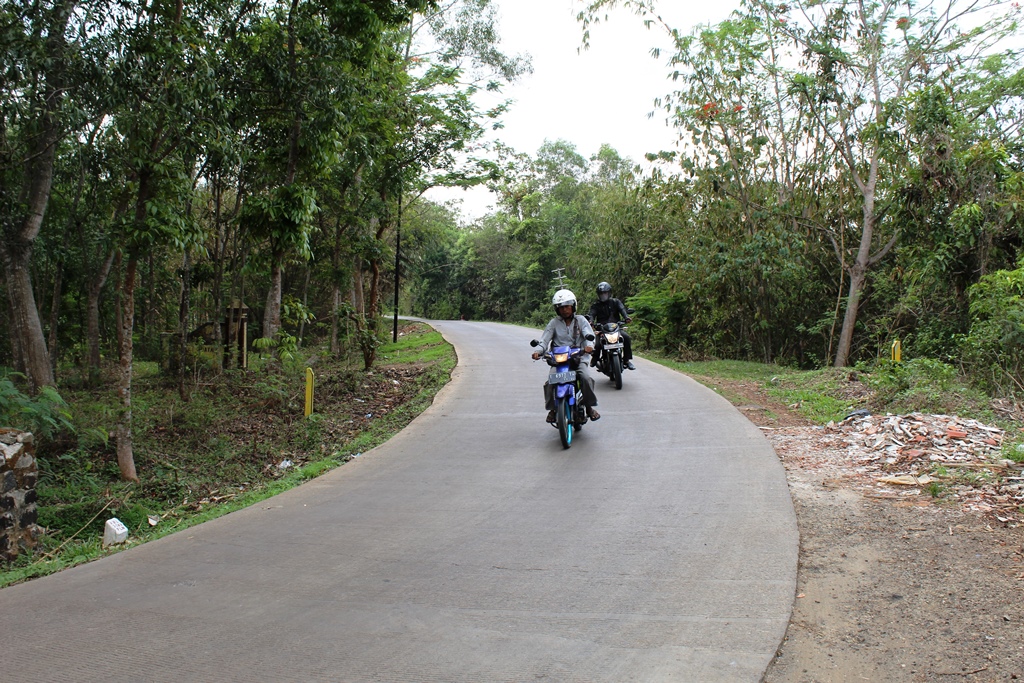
{"x":241,"y":438}
{"x":813,"y":394}
{"x":831,"y":394}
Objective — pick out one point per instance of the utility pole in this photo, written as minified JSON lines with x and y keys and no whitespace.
{"x":560,"y":276}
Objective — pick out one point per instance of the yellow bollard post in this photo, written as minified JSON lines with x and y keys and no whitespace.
{"x":309,"y":392}
{"x":897,"y":351}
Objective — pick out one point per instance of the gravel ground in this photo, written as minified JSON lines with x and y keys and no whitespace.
{"x":890,"y":587}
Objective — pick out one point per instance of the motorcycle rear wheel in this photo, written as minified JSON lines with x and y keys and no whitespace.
{"x":563,"y":417}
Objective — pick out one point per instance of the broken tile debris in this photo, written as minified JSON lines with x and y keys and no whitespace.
{"x":940,"y":457}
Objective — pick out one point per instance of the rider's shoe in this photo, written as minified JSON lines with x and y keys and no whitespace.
{"x":551,"y":416}
{"x":593,"y":414}
{"x":629,"y":365}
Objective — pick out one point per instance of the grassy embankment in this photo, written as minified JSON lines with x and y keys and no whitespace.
{"x":241,"y":438}
{"x":831,"y":394}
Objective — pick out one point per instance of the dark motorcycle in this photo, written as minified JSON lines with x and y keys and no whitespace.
{"x":608,"y":356}
{"x":570,"y":413}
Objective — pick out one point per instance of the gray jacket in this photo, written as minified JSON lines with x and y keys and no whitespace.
{"x":557,"y":333}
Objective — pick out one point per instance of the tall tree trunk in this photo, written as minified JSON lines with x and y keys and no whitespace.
{"x":372,"y":318}
{"x":218,"y":267}
{"x":272,"y":313}
{"x":93,"y":313}
{"x":858,"y":275}
{"x":335,"y":305}
{"x":357,"y":287}
{"x":55,"y":317}
{"x":126,"y":323}
{"x":26,"y":328}
{"x":859,"y":270}
{"x":183,"y":313}
{"x":125,"y":453}
{"x":237,"y":286}
{"x":305,"y":302}
{"x":335,"y":289}
{"x":17,"y":240}
{"x":373,"y":309}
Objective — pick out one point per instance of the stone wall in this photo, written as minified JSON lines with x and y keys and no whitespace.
{"x":18,"y":474}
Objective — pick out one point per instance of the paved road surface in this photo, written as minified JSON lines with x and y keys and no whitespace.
{"x":661,"y":547}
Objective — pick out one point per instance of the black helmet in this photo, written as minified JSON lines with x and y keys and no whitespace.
{"x":604,"y":287}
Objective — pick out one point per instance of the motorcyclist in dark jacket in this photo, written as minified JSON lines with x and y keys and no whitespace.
{"x":608,"y":309}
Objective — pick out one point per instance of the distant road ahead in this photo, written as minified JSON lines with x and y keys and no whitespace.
{"x":471,"y":547}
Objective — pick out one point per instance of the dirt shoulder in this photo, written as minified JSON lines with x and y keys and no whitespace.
{"x":890,"y":587}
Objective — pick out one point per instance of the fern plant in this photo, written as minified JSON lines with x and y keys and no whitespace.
{"x":44,"y":415}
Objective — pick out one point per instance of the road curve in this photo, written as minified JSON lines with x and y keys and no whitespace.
{"x":661,"y":547}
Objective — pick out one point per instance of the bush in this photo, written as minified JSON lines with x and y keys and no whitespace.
{"x":994,"y":347}
{"x":45,"y":414}
{"x":922,"y":384}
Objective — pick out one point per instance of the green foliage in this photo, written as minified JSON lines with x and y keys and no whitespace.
{"x":414,"y":348}
{"x":663,"y":316}
{"x":313,"y":431}
{"x":1013,"y":449}
{"x":46,"y":414}
{"x":935,"y":489}
{"x":283,"y":216}
{"x":994,"y":347}
{"x":284,"y":345}
{"x":923,"y":384}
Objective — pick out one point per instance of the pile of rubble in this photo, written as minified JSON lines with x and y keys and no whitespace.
{"x":902,"y":456}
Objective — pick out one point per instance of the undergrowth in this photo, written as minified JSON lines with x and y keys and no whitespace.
{"x":918,"y":385}
{"x":240,"y":438}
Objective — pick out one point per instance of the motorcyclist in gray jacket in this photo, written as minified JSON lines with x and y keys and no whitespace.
{"x":569,"y":329}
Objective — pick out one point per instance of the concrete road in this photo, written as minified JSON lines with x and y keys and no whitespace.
{"x":471,"y":547}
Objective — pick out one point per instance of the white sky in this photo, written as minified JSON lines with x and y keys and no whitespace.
{"x":602,"y":95}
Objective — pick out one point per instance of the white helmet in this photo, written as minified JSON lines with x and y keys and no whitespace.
{"x":564,"y":297}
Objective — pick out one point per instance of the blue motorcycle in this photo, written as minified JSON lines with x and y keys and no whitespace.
{"x":570,"y":413}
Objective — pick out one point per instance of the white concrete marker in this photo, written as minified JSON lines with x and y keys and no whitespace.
{"x":114,"y":532}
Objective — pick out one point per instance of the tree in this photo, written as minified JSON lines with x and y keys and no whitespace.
{"x":35,"y":66}
{"x":869,"y":57}
{"x":307,"y":62}
{"x":160,"y":92}
{"x":851,"y":66}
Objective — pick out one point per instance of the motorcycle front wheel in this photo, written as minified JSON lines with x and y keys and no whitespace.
{"x":563,"y":416}
{"x":617,"y":370}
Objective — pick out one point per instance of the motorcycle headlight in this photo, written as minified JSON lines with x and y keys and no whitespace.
{"x":612,"y":338}
{"x":561,"y":358}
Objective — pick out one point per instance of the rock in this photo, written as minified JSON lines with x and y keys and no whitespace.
{"x":18,"y":475}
